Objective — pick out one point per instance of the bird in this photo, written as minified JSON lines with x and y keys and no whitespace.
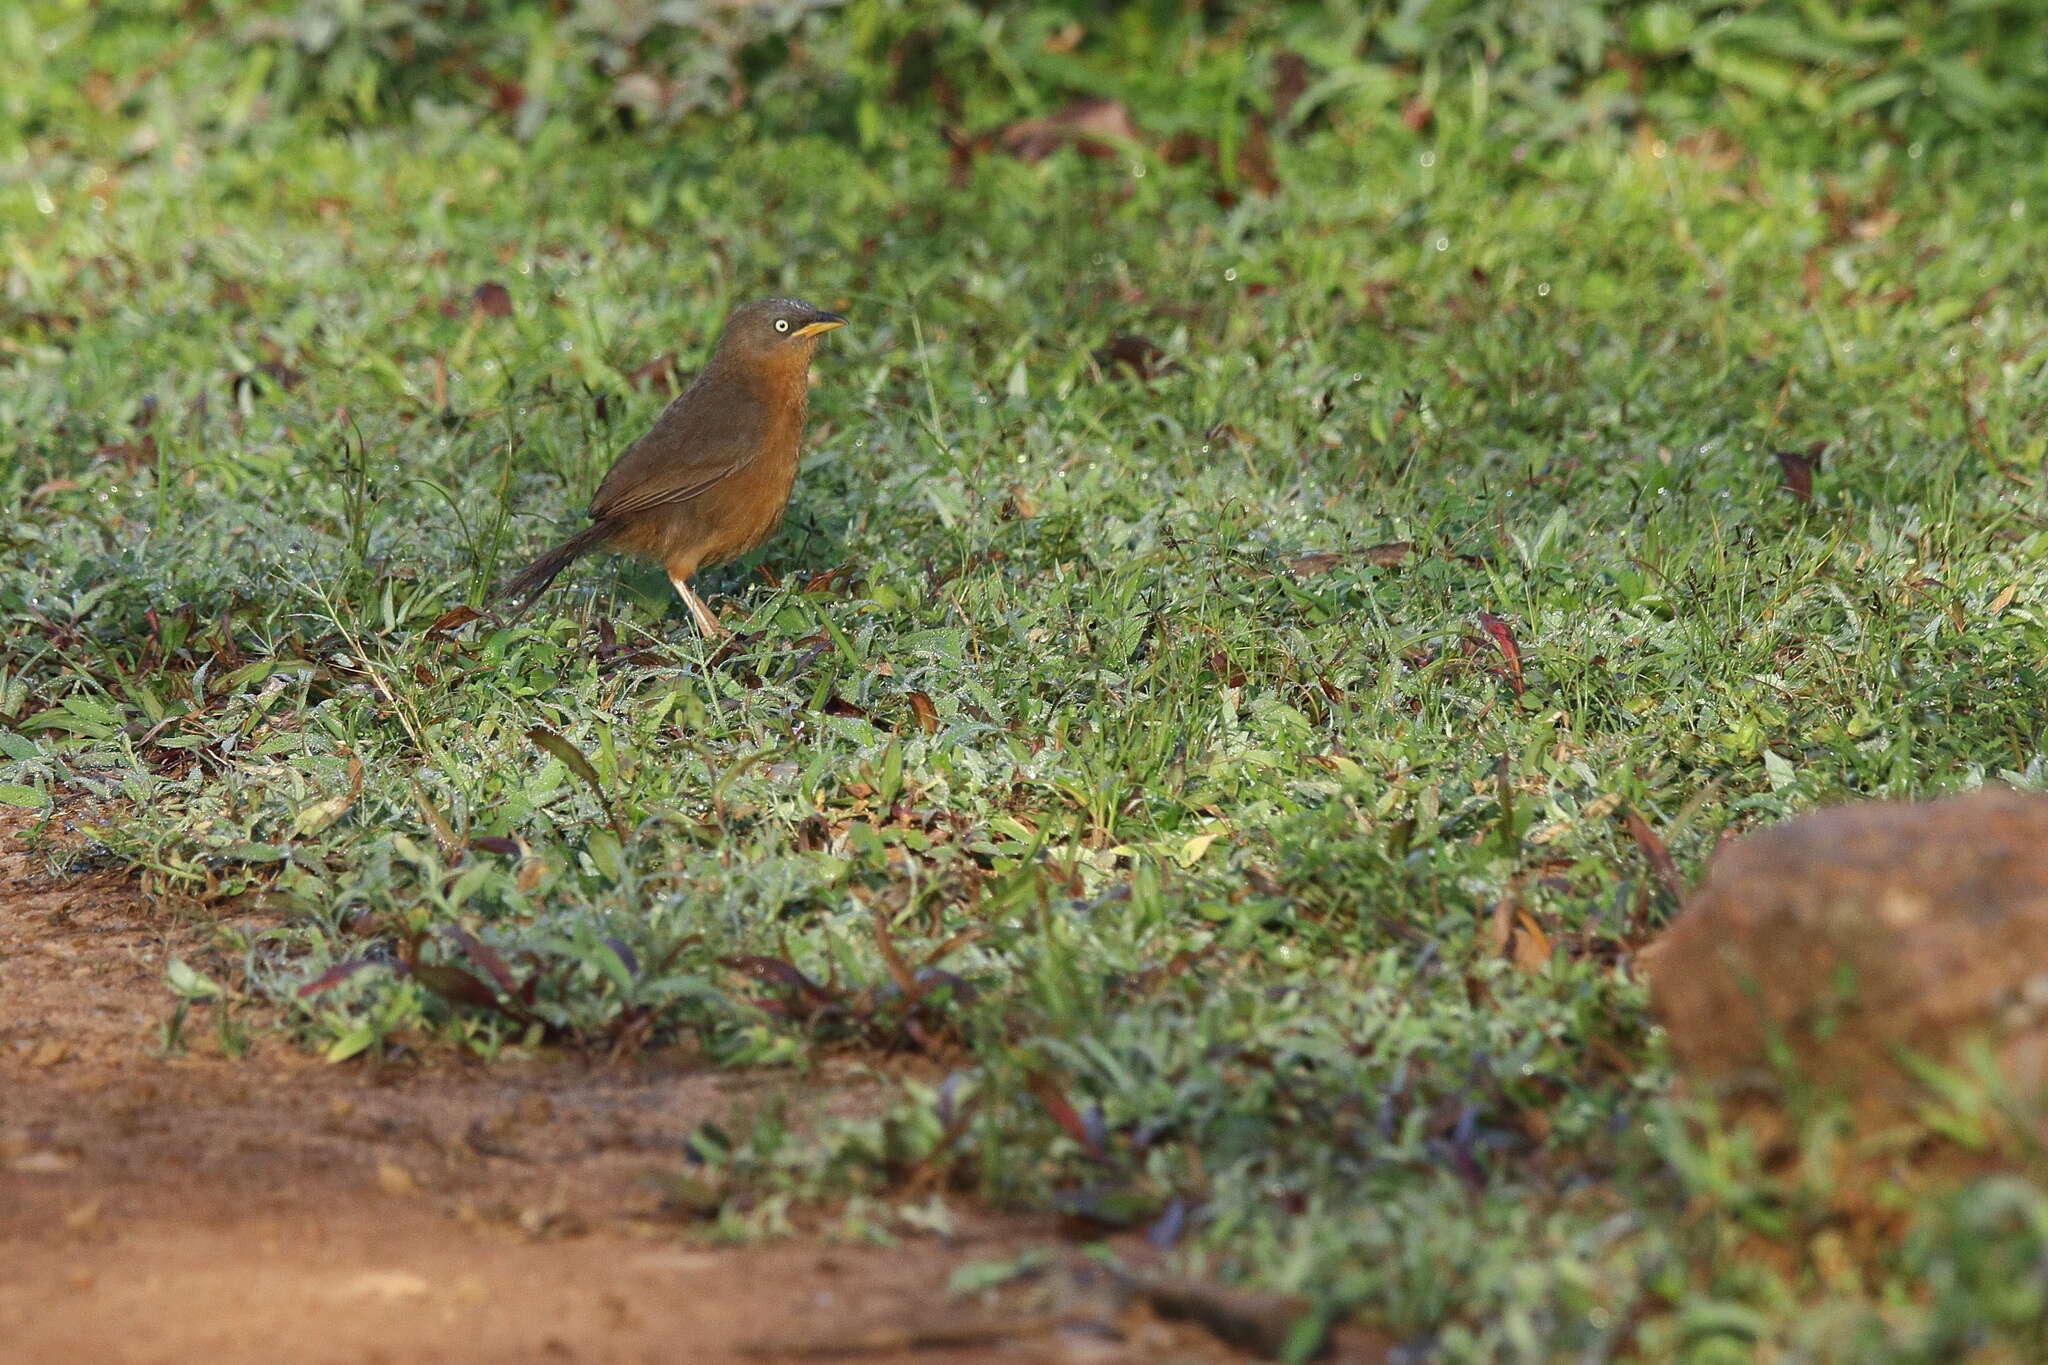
{"x":710,"y":479}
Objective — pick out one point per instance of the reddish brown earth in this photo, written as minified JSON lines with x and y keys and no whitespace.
{"x":203,"y":1208}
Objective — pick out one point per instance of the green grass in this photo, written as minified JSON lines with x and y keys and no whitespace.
{"x":1208,"y":852}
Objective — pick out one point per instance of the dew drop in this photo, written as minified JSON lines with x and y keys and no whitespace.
{"x":1428,"y":159}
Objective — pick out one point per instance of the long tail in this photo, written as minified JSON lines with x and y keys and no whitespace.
{"x":535,"y":577}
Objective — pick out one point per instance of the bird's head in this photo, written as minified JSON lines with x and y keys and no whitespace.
{"x":777,"y":334}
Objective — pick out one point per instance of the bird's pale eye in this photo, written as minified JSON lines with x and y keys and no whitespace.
{"x":782,"y":324}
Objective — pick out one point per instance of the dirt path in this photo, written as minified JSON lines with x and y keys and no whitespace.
{"x":201,"y":1208}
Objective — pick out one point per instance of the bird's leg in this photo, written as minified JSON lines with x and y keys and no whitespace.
{"x":701,"y":614}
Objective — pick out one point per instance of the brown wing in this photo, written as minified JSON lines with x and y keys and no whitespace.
{"x":713,"y":429}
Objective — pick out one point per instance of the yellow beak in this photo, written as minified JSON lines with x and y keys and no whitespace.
{"x":824,"y":324}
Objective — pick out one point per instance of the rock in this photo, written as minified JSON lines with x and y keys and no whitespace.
{"x":1854,"y":933}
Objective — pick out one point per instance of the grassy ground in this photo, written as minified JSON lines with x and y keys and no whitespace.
{"x":1224,"y":798}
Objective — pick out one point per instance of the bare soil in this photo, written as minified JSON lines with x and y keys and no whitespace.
{"x":200,"y":1207}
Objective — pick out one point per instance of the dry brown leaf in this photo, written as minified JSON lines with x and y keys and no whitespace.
{"x":1500,"y":927}
{"x":1796,"y":470}
{"x":1315,"y":562}
{"x":1065,"y":40}
{"x":659,"y":372}
{"x":1093,"y":127}
{"x":1134,"y":355}
{"x":1532,"y":947}
{"x":1290,"y":82}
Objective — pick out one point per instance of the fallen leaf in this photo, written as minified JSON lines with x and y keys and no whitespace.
{"x":457,"y":986}
{"x":132,"y":454}
{"x":1796,"y":470}
{"x":927,"y":715}
{"x":961,"y":150}
{"x":1417,"y":114}
{"x":49,"y":1052}
{"x":660,"y":372}
{"x":491,"y":299}
{"x":486,"y":957}
{"x":1655,"y":854}
{"x":1290,"y":82}
{"x":1255,"y":160}
{"x":1500,"y":927}
{"x":1532,"y":946}
{"x":453,"y":619}
{"x":1504,"y":640}
{"x":334,"y":976}
{"x":1062,"y":1112}
{"x":2004,"y":599}
{"x":1093,"y":127}
{"x":837,"y":705}
{"x":1134,"y":355}
{"x":1315,"y":562}
{"x":1064,"y":40}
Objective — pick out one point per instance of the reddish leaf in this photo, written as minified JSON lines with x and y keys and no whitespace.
{"x":1290,"y":82}
{"x":1417,"y":114}
{"x":334,"y":976}
{"x":1315,"y":562}
{"x":496,"y":843}
{"x":961,"y":151}
{"x":486,"y":957}
{"x":454,"y":619}
{"x":133,"y":454}
{"x":1133,"y":355}
{"x":1500,"y":926}
{"x":491,"y":299}
{"x":839,"y":706}
{"x":457,"y":986}
{"x":1255,"y":160}
{"x":1504,"y":640}
{"x":659,"y":372}
{"x":1796,"y":469}
{"x":1655,"y":853}
{"x":1062,"y":1112}
{"x":1388,"y":554}
{"x":1092,"y":127}
{"x":1182,"y":148}
{"x":899,"y":970}
{"x":922,"y":708}
{"x":1532,"y":946}
{"x":775,"y":972}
